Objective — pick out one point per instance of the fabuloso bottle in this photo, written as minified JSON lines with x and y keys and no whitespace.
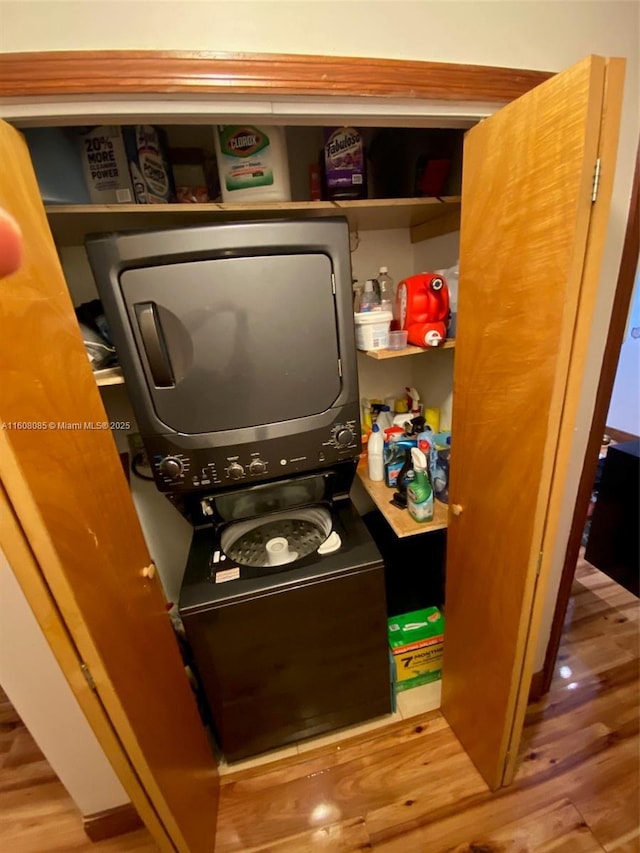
{"x":420,"y":493}
{"x":252,"y":163}
{"x":344,"y":163}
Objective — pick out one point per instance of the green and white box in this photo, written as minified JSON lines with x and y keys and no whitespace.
{"x":416,"y":641}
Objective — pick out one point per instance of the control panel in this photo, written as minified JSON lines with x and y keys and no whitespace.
{"x":177,"y":470}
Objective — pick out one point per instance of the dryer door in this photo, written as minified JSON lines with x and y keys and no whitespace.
{"x":236,"y":342}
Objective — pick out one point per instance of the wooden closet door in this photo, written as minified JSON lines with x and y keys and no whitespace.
{"x":531,"y":245}
{"x":70,"y":496}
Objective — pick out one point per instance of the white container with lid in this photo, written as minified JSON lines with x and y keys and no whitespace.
{"x":372,"y":329}
{"x":252,"y":163}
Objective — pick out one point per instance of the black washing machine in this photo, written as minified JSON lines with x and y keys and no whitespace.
{"x":237,"y":346}
{"x":286,"y":650}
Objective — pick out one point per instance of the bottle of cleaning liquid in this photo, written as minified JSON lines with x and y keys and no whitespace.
{"x":419,"y":492}
{"x":385,"y":418}
{"x":374,"y":454}
{"x":252,"y":163}
{"x":404,"y":480}
{"x":366,"y":419}
{"x":386,"y":290}
{"x":370,"y":300}
{"x":344,"y":163}
{"x":432,"y":417}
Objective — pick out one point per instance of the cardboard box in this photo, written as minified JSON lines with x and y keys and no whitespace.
{"x":105,"y":166}
{"x":146,"y":149}
{"x":416,"y":642}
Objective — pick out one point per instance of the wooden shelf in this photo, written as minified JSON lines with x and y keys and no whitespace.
{"x":425,"y":217}
{"x":109,"y":376}
{"x":401,"y":522}
{"x":381,"y":354}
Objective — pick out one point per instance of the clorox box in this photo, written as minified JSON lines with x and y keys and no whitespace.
{"x":416,"y":642}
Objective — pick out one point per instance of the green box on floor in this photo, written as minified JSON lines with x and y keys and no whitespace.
{"x":416,"y":641}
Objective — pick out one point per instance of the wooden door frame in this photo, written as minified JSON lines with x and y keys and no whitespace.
{"x":615,"y":336}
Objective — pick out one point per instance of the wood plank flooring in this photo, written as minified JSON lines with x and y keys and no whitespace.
{"x":409,"y":787}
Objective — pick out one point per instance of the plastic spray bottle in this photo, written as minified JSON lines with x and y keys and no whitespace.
{"x":415,"y":406}
{"x":419,"y":492}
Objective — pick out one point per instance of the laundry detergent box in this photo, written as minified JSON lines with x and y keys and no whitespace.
{"x":416,"y":641}
{"x":146,"y":148}
{"x":105,"y":166}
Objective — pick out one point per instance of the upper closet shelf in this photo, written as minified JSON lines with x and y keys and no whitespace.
{"x":425,"y":217}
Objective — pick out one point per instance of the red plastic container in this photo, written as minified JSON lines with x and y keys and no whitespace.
{"x":422,"y":305}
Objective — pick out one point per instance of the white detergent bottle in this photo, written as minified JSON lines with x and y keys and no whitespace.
{"x":252,"y":163}
{"x":375,"y":459}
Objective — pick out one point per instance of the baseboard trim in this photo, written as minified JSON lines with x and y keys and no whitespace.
{"x":537,"y":685}
{"x":111,"y":822}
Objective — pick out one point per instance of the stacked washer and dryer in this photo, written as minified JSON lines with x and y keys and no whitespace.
{"x":237,"y":346}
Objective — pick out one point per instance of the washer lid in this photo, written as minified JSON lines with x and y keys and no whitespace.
{"x":273,"y":497}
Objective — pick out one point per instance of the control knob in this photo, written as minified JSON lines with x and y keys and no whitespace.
{"x":343,"y":436}
{"x":257,"y":466}
{"x":235,"y":471}
{"x":171,"y":467}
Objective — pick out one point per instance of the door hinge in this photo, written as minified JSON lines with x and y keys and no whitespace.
{"x":340,"y":367}
{"x":596,"y":181}
{"x":539,"y":566}
{"x":87,"y":676}
{"x":333,"y":284}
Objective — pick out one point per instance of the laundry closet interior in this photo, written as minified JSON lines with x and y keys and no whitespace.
{"x":404,"y":233}
{"x":507,"y":366}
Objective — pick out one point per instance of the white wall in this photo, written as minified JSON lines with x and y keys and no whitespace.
{"x":37,"y":689}
{"x":624,"y":409}
{"x":540,"y":35}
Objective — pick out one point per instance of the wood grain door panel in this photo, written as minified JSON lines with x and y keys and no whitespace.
{"x":526,"y":213}
{"x":67,"y":487}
